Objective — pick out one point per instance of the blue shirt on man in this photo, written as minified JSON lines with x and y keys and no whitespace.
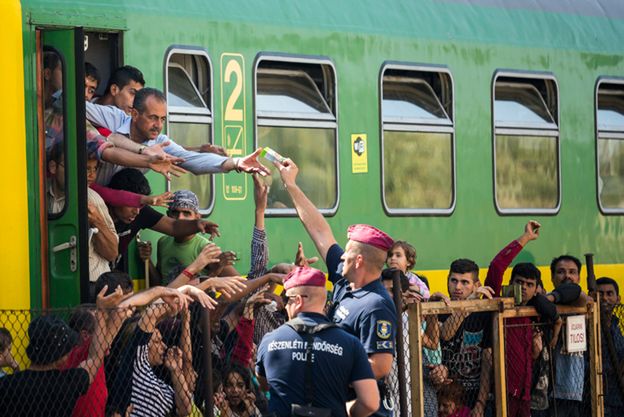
{"x":338,"y":360}
{"x":368,"y":313}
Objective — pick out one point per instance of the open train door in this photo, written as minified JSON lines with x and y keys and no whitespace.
{"x":62,"y":165}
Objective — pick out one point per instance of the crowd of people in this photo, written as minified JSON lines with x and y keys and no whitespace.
{"x":279,"y":342}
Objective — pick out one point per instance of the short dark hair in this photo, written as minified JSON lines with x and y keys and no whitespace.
{"x":143,"y":94}
{"x":113,"y":279}
{"x":452,"y":392}
{"x":92,"y":72}
{"x":130,"y":179}
{"x":608,"y":281}
{"x":463,"y":266}
{"x":410,"y":252}
{"x":51,"y":58}
{"x":527,"y":270}
{"x":122,"y":76}
{"x":388,"y":275}
{"x":82,"y":319}
{"x":5,"y":339}
{"x":555,"y":261}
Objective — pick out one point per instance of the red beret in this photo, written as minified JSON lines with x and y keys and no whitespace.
{"x":307,"y":276}
{"x":370,"y":235}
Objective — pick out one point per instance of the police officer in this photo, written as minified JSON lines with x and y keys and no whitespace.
{"x":361,"y":305}
{"x":337,"y":358}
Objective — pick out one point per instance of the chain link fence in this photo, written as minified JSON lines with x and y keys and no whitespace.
{"x":90,"y":362}
{"x":487,"y":357}
{"x":491,"y":358}
{"x":612,"y":341}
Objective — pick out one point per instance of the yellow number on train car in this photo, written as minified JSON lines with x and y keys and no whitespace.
{"x":233,"y":125}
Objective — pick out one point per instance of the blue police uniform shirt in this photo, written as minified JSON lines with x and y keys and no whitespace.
{"x":368,"y":313}
{"x":338,"y":360}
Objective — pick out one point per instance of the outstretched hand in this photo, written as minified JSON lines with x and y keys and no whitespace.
{"x":229,"y":286}
{"x":208,"y":227}
{"x":224,"y":259}
{"x":175,"y":299}
{"x":288,"y":171}
{"x":160,"y":200}
{"x":300,"y":258}
{"x":166,"y":167}
{"x":209,"y":254}
{"x":210,"y":148}
{"x":198,"y":295}
{"x":251,"y":165}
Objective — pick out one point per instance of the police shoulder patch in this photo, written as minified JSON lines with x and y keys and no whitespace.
{"x":384,"y":329}
{"x":385,"y":344}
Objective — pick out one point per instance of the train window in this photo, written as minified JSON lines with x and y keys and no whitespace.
{"x":418,"y":140}
{"x":188,"y":87}
{"x":526,"y":144}
{"x":54,"y":111}
{"x":610,"y":145}
{"x":295,"y":115}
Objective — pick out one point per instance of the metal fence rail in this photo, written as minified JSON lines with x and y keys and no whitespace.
{"x":486,"y":367}
{"x":434,"y":365}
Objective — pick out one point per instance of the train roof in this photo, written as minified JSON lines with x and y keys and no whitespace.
{"x":588,"y":25}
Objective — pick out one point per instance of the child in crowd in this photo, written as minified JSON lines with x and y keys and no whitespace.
{"x":451,"y":401}
{"x":6,"y":357}
{"x":402,"y":256}
{"x":239,"y":398}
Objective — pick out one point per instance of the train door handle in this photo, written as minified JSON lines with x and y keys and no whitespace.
{"x":73,"y":256}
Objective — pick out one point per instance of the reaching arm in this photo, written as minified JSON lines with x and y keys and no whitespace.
{"x":181,"y":228}
{"x":380,"y":363}
{"x":313,"y":221}
{"x":187,"y":351}
{"x":209,"y":254}
{"x":431,"y":337}
{"x":452,"y":324}
{"x":252,"y":285}
{"x":105,"y":241}
{"x":367,"y":398}
{"x":259,"y":247}
{"x":502,"y":260}
{"x":107,"y":325}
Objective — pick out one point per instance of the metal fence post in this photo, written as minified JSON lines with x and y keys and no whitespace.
{"x":207,"y":359}
{"x":595,"y":355}
{"x":498,"y":363}
{"x":415,"y":349}
{"x":400,"y":345}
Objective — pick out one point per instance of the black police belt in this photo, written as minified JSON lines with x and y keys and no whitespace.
{"x":308,"y":331}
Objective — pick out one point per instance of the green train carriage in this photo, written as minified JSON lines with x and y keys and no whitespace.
{"x":445,"y":123}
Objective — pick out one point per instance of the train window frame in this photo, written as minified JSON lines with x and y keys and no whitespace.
{"x":68,"y":190}
{"x":551,"y":130}
{"x":419,"y":125}
{"x":299,"y":120}
{"x":608,"y":132}
{"x":196,"y":115}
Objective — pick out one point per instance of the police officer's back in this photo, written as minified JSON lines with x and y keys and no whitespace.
{"x":339,"y":359}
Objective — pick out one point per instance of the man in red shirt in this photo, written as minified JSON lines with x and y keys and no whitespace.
{"x":520,"y":351}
